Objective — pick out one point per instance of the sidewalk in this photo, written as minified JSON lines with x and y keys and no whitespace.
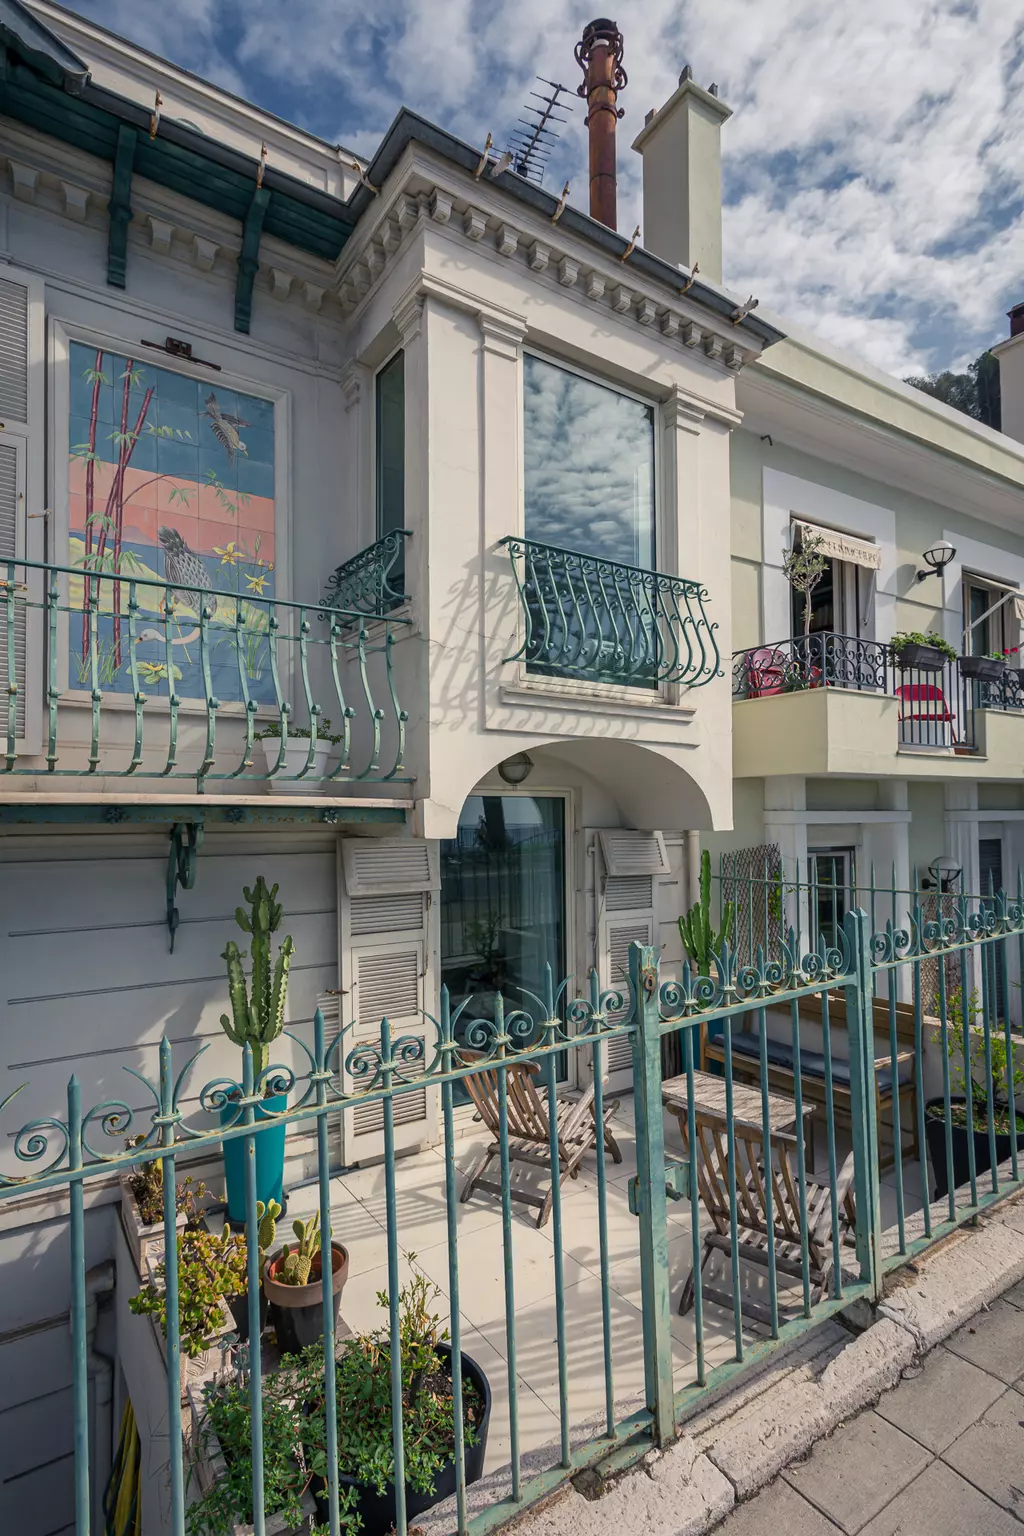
{"x":941,"y":1455}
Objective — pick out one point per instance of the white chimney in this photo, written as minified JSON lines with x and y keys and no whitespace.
{"x":1011,"y":376}
{"x":682,"y":153}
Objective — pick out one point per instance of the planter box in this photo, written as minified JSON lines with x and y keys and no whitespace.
{"x":984,"y":669}
{"x":145,"y":1241}
{"x":194,"y":1372}
{"x":296,"y":754}
{"x":926,"y":658}
{"x":208,"y":1465}
{"x":935,"y":1136}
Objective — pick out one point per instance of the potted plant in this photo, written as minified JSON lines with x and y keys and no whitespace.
{"x":211,"y":1269}
{"x":803,"y":567}
{"x":257,"y":1018}
{"x":926,"y":652}
{"x":700,"y":940}
{"x":220,"y":1459}
{"x":293,"y":1282}
{"x":296,"y":755}
{"x":984,"y":669}
{"x":967,"y":1063}
{"x":366,"y":1452}
{"x":142,"y":1207}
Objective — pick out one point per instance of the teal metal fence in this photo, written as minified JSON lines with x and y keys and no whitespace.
{"x":144,"y":676}
{"x":601,"y":619}
{"x":770,"y":1181}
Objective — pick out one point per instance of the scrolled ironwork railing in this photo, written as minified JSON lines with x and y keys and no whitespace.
{"x":145,"y":677}
{"x":605,"y":621}
{"x":372,"y":582}
{"x":822,"y":660}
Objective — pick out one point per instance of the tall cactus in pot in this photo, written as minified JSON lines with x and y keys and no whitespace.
{"x":257,"y":1011}
{"x":700,"y":940}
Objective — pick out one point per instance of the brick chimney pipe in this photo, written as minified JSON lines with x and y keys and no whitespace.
{"x":1016,"y":318}
{"x":599,"y":55}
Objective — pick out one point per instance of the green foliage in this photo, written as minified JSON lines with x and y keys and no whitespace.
{"x":298,"y":1261}
{"x":1007,"y":1077}
{"x":803,"y":567}
{"x":363,"y":1378}
{"x":700,"y":940}
{"x":272,"y":732}
{"x":146,"y":1183}
{"x":900,"y":641}
{"x":257,"y":1013}
{"x":975,"y":392}
{"x":228,"y":1421}
{"x":210,"y":1269}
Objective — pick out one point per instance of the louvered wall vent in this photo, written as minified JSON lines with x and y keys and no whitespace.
{"x":385,"y":865}
{"x":634,"y":853}
{"x":13,"y":352}
{"x":628,"y":893}
{"x":386,"y":914}
{"x":9,"y":518}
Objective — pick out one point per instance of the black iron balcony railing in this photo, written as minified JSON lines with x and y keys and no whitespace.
{"x":938,"y":702}
{"x":604,"y":621}
{"x":372,"y":582}
{"x":136,"y":676}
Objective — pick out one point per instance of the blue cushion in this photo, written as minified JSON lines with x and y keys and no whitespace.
{"x":812,"y":1063}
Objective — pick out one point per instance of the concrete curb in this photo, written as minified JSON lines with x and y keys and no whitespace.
{"x":739,"y":1446}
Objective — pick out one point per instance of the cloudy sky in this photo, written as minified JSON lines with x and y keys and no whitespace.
{"x":874,"y":172}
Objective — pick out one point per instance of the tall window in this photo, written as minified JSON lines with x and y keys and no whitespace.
{"x":390,"y":445}
{"x":830,"y":879}
{"x":589,"y":461}
{"x":987,"y":631}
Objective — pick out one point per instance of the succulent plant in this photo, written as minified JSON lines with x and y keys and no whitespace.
{"x":298,"y":1261}
{"x":266,"y":1230}
{"x":257,"y":1012}
{"x":700,"y":940}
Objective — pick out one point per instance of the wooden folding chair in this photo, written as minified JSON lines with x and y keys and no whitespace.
{"x":529,"y":1130}
{"x":751,"y":1205}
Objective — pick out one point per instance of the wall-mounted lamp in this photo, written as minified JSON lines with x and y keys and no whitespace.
{"x":937,"y":558}
{"x":944,"y":873}
{"x":516,"y":769}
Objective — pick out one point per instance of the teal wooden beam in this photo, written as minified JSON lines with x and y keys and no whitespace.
{"x":248,"y":259}
{"x":213,"y":814}
{"x":121,"y":206}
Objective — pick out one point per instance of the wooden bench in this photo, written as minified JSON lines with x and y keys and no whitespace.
{"x":746,"y":1066}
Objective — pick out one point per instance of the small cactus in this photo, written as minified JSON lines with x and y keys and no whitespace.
{"x":266,"y":1231}
{"x":257,"y":1013}
{"x":700,"y":940}
{"x":299,"y":1260}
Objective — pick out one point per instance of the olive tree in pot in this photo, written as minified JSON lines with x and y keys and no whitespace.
{"x":293,"y":1282}
{"x":968,"y":1073}
{"x":257,"y":1019}
{"x":366,"y":1451}
{"x":803,"y":567}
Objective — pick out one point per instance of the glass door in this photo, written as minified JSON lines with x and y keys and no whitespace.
{"x":503,"y":903}
{"x":831,"y":881}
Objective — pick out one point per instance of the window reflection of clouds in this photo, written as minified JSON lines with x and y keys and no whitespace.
{"x":589,"y":455}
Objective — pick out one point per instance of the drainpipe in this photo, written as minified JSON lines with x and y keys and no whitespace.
{"x":99,"y":1283}
{"x":599,"y":55}
{"x":692,"y":869}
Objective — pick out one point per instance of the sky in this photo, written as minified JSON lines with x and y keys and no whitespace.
{"x":873,"y":167}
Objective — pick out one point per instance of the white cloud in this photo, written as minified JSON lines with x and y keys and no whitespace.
{"x":872,"y":152}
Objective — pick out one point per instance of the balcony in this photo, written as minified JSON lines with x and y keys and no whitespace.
{"x":372,"y":582}
{"x":128,"y":681}
{"x":602,"y":621}
{"x":840,"y":704}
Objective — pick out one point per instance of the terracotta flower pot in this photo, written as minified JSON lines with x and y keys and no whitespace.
{"x":296,"y":1311}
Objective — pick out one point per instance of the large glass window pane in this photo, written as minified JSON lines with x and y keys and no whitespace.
{"x":503,"y":902}
{"x":589,"y":454}
{"x":391,"y":446}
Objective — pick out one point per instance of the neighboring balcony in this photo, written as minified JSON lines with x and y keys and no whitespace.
{"x":829,"y":703}
{"x":126,"y":685}
{"x":372,"y":582}
{"x":600,"y":621}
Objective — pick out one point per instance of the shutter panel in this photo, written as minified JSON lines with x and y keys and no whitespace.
{"x":622,"y":868}
{"x":634,"y":853}
{"x":384,"y":954}
{"x":22,"y":364}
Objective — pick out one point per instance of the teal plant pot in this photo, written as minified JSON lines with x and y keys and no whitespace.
{"x":269,"y":1160}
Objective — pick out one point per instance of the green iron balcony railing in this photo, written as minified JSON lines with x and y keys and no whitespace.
{"x":372,"y":582}
{"x":604,"y":621}
{"x":111,"y":674}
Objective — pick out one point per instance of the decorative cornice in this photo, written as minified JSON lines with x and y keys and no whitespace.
{"x":501,"y":334}
{"x":408,"y":315}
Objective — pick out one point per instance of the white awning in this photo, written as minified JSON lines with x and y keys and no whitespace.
{"x":1018,"y":608}
{"x":842,"y":546}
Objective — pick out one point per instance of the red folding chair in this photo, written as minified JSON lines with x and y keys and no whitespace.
{"x":767,"y":671}
{"x":923,"y":706}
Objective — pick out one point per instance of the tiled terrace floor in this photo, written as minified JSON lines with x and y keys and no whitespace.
{"x":359,"y":1222}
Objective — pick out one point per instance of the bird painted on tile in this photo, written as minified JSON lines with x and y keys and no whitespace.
{"x":225,"y":428}
{"x":183,"y":569}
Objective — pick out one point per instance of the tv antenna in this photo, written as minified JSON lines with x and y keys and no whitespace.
{"x":532,"y":142}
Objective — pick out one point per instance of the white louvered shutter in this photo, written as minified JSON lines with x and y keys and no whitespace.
{"x":622,"y":912}
{"x":386,"y":971}
{"x":22,"y":362}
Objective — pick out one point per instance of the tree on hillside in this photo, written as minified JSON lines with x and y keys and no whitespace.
{"x":975,"y":392}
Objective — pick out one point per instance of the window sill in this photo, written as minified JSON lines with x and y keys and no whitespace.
{"x":593,"y":698}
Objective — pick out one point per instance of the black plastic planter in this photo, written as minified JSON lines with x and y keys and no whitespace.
{"x":983,"y":669}
{"x":926,"y":658}
{"x":935,"y":1136}
{"x":377,"y":1510}
{"x":238,"y":1306}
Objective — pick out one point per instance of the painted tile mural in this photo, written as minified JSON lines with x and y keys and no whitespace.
{"x":170,"y":478}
